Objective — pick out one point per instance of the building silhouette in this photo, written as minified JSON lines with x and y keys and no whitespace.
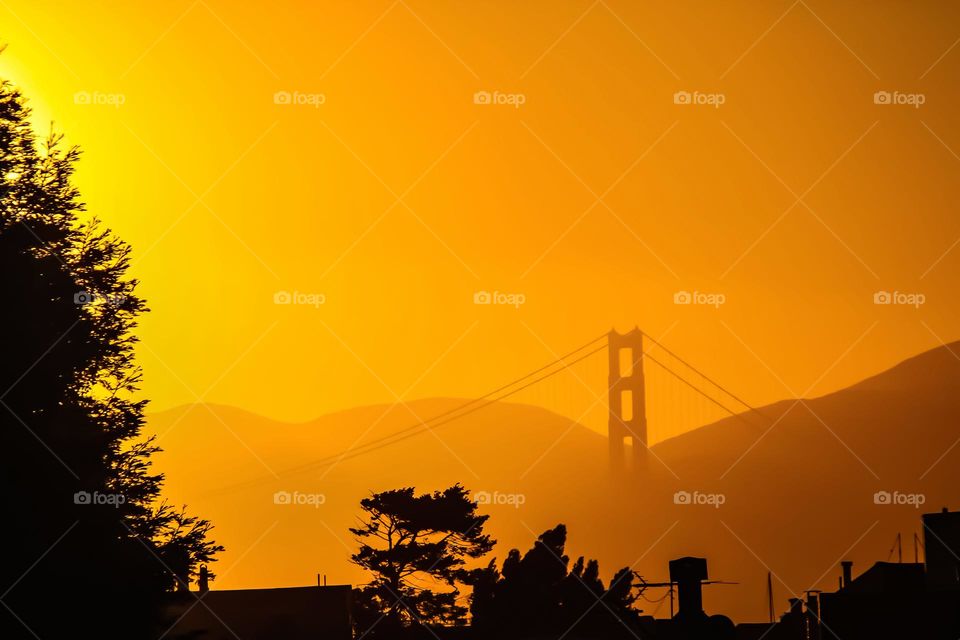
{"x":901,"y":600}
{"x":888,"y":601}
{"x":690,"y":622}
{"x":292,"y":613}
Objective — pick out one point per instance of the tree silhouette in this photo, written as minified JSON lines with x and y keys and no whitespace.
{"x":535,"y":595}
{"x":416,"y":547}
{"x":82,"y":504}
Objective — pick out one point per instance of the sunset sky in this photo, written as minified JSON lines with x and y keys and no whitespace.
{"x":384,"y":191}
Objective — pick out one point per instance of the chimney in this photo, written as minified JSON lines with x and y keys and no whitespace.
{"x":813,"y":603}
{"x":796,"y":605}
{"x":941,"y":546}
{"x":204,"y":580}
{"x":847,"y":572}
{"x":688,"y":573}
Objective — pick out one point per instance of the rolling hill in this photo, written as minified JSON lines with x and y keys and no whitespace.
{"x":797,"y":482}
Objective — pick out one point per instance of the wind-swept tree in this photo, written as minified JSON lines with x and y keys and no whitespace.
{"x":89,"y":548}
{"x":415,"y":548}
{"x":535,"y":595}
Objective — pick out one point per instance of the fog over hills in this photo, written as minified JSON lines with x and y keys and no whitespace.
{"x":797,"y":483}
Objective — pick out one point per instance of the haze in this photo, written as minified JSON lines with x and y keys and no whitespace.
{"x":597,"y":199}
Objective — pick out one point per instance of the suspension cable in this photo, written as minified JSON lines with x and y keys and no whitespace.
{"x":701,"y":374}
{"x":425,"y":425}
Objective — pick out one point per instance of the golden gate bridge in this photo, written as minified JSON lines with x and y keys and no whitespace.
{"x":646,"y":384}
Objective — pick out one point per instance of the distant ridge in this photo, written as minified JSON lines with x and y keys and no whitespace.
{"x":798,"y":492}
{"x":937,"y":368}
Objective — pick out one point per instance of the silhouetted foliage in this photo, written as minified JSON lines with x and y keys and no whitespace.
{"x":416,"y":547}
{"x":90,"y":551}
{"x":535,"y":595}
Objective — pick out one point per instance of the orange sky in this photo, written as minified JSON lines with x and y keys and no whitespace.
{"x":397,"y":198}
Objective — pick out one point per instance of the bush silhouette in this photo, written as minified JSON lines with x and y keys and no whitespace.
{"x":535,"y":595}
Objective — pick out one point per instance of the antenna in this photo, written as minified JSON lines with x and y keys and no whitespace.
{"x":899,"y":547}
{"x":670,"y":585}
{"x":770,"y":596}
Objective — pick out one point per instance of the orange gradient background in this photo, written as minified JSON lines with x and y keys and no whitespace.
{"x":228,"y":197}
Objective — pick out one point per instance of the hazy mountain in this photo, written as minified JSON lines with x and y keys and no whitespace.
{"x":797,"y":481}
{"x":800,"y":485}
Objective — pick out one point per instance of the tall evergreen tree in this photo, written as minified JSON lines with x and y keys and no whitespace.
{"x":89,"y":549}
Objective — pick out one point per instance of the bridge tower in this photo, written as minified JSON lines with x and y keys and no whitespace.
{"x":627,"y":404}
